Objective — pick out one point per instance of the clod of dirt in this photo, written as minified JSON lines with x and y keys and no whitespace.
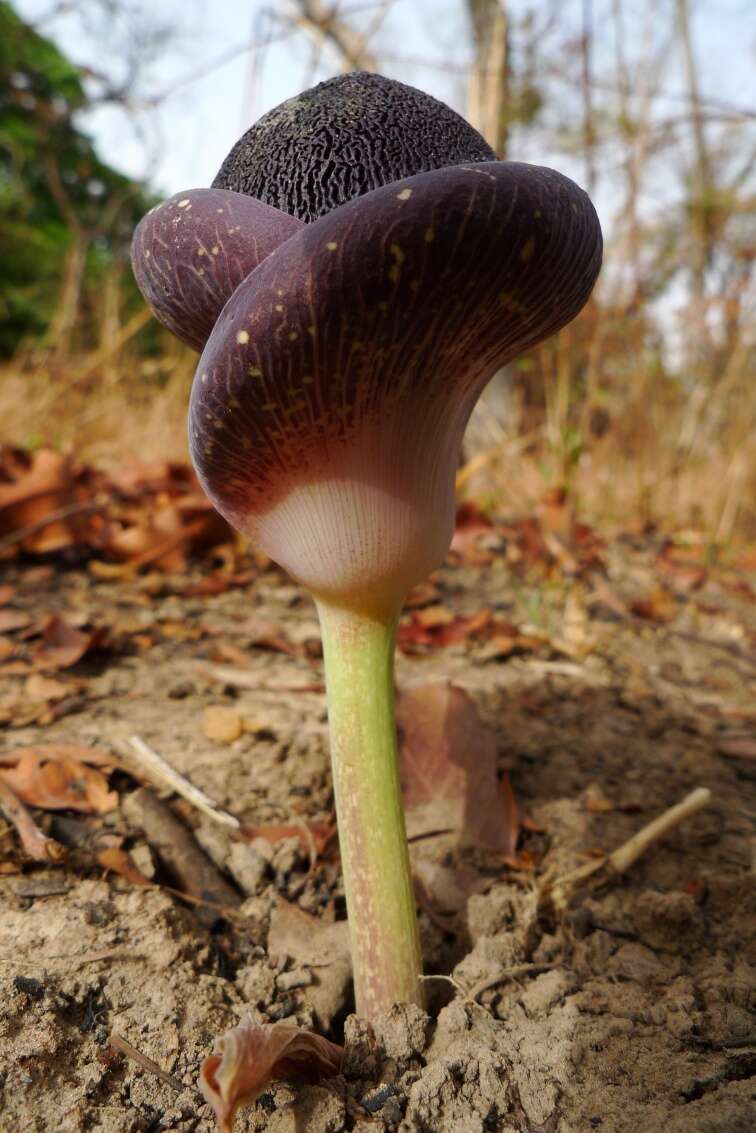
{"x":224,"y":725}
{"x":322,"y":947}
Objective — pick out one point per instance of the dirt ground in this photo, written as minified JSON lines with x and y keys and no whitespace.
{"x":631,"y":1011}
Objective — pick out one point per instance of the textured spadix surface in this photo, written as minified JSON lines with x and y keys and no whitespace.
{"x":342,"y":138}
{"x":332,"y":394}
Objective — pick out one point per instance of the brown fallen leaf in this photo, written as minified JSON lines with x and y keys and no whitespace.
{"x":448,"y":769}
{"x":95,"y":756}
{"x":62,"y":645}
{"x":217,"y":583}
{"x":424,"y":594}
{"x":436,"y":626}
{"x":66,"y":784}
{"x":684,"y":566}
{"x":738,"y":748}
{"x":41,"y":484}
{"x":12,"y":620}
{"x":314,"y":837}
{"x":121,"y":862}
{"x":658,"y":605}
{"x":250,"y":1056}
{"x":40,"y":688}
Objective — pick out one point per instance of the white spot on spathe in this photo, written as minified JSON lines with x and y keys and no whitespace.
{"x":404,"y":195}
{"x":214,"y":250}
{"x":185,"y":204}
{"x":242,"y":337}
{"x":332,"y":245}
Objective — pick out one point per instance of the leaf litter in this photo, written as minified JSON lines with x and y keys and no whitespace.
{"x":555,"y":732}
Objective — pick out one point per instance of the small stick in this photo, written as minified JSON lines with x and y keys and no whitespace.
{"x":470,"y":995}
{"x":506,"y":974}
{"x":628,"y":853}
{"x":58,"y":516}
{"x":160,"y":770}
{"x":621,"y":859}
{"x":36,"y":844}
{"x":178,"y":850}
{"x":124,"y":1047}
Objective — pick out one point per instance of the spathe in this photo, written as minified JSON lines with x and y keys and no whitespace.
{"x":354,"y":355}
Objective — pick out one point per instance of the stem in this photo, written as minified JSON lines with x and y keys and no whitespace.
{"x":359,"y":663}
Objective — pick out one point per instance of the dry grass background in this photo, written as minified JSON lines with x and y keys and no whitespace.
{"x":647,"y":453}
{"x":643,"y":410}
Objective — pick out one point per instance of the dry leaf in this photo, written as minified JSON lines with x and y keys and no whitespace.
{"x":12,"y":620}
{"x":250,"y":1056}
{"x":683,"y":565}
{"x":448,"y":769}
{"x":65,"y":784}
{"x":657,"y":606}
{"x":437,"y":627}
{"x":39,"y":688}
{"x":313,"y":836}
{"x":43,"y":484}
{"x":738,"y":748}
{"x":121,"y":862}
{"x":62,"y":645}
{"x":95,"y":756}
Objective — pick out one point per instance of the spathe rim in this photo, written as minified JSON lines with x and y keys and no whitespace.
{"x":402,"y":301}
{"x":190,"y":253}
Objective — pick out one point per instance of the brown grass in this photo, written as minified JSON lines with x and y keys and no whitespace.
{"x":631,"y":453}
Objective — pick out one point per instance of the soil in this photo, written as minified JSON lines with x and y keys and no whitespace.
{"x":633,"y":1010}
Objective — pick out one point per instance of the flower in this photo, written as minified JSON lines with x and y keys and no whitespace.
{"x":353,"y":308}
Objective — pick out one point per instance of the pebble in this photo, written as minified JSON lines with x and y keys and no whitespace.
{"x":222,"y":724}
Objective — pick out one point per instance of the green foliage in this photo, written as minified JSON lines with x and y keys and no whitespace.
{"x":54,"y":189}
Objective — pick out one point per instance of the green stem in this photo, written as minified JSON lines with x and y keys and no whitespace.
{"x":359,"y":663}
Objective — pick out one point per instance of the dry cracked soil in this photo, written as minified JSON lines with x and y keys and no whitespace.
{"x":630,"y":1011}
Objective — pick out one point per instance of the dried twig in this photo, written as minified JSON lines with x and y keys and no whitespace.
{"x":470,"y":995}
{"x":57,"y":516}
{"x":160,"y":771}
{"x":558,"y":892}
{"x":36,"y":844}
{"x":124,"y":1047}
{"x":178,"y":850}
{"x":504,"y":975}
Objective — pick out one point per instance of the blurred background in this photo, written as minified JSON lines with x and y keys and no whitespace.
{"x":641,"y":413}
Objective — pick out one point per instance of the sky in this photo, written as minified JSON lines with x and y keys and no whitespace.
{"x":181,"y":142}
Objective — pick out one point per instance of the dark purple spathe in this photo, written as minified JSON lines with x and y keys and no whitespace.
{"x":398,"y":302}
